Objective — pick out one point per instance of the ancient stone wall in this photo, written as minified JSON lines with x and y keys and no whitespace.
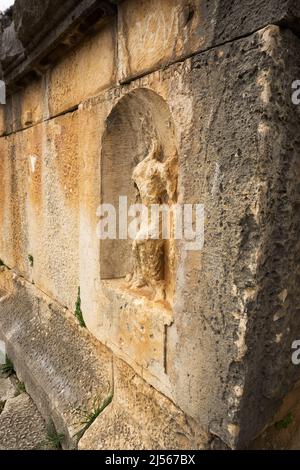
{"x":90,"y":86}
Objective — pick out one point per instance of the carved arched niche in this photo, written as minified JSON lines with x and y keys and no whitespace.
{"x":138,"y":121}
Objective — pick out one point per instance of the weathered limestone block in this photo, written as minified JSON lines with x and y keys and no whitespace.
{"x":135,"y":329}
{"x":53,"y":206}
{"x":272,"y":296}
{"x":84,"y":72}
{"x":243,"y":112}
{"x":21,"y":192}
{"x":6,"y":248}
{"x":63,"y":368}
{"x":39,"y":212}
{"x":154,"y":33}
{"x":26,"y":107}
{"x":236,"y":18}
{"x":13,"y":240}
{"x":141,"y":418}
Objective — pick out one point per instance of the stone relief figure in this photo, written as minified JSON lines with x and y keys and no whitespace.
{"x":155,"y":182}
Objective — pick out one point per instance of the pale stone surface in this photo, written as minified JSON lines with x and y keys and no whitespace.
{"x":84,"y":72}
{"x":155,"y":32}
{"x":26,"y":107}
{"x":13,"y":212}
{"x":54,"y":222}
{"x":141,"y":418}
{"x":39,"y":212}
{"x":21,"y":425}
{"x":19,"y":152}
{"x":6,"y":217}
{"x":136,"y":329}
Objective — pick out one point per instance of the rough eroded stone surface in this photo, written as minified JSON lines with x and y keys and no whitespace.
{"x":237,"y":18}
{"x":21,"y":425}
{"x":154,"y":33}
{"x":141,"y":418}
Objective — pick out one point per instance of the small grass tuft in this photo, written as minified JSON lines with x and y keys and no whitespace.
{"x":88,"y":417}
{"x":78,"y":311}
{"x":54,"y":438}
{"x":1,"y":263}
{"x":31,"y":260}
{"x":8,"y":367}
{"x":284,"y":423}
